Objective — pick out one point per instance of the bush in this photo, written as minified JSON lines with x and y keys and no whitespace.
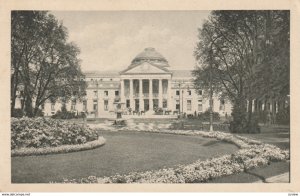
{"x":239,"y":122}
{"x":283,"y":116}
{"x":17,"y":113}
{"x":206,"y":116}
{"x":262,"y":116}
{"x":59,"y":149}
{"x":63,"y":114}
{"x":40,"y":132}
{"x":39,"y":113}
{"x":177,"y":125}
{"x":252,"y":126}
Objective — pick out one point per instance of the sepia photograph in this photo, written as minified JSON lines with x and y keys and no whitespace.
{"x":150,"y":96}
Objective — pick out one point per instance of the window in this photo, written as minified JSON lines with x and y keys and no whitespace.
{"x":106,"y":93}
{"x":84,"y":105}
{"x":73,"y":105}
{"x":127,"y":103}
{"x":200,"y":92}
{"x":189,"y":92}
{"x":105,"y":105}
{"x":177,"y":92}
{"x":95,"y":105}
{"x":189,"y":105}
{"x":111,"y":79}
{"x":52,"y":106}
{"x":177,"y":105}
{"x":165,"y":103}
{"x":200,"y":108}
{"x":116,"y":93}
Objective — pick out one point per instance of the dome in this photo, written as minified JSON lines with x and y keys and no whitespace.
{"x":152,"y":56}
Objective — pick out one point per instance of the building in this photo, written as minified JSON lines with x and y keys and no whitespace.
{"x":147,"y":84}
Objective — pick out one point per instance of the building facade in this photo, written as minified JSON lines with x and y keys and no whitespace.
{"x":147,"y":85}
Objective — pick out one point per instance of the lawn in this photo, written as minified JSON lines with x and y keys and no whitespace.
{"x":123,"y":152}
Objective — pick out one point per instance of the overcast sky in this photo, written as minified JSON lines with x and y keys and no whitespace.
{"x":109,"y":40}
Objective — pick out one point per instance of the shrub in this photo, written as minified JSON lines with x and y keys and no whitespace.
{"x":283,"y":116}
{"x":177,"y":125}
{"x":59,"y":149}
{"x":262,"y":116}
{"x":239,"y":122}
{"x":40,"y":132}
{"x":17,"y":113}
{"x":63,"y":114}
{"x":206,"y":116}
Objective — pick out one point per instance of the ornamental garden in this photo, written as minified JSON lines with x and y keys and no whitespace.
{"x":42,"y":140}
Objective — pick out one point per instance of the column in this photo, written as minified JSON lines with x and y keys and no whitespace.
{"x":160,"y":93}
{"x":122,"y":91}
{"x":150,"y":95}
{"x":170,"y":103}
{"x":141,"y":95}
{"x":132,"y":105}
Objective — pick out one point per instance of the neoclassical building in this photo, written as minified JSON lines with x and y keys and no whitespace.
{"x":148,"y":83}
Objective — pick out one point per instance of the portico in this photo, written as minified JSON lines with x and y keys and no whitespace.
{"x":146,"y":92}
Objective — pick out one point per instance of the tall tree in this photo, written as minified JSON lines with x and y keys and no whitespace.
{"x":43,"y":61}
{"x":233,"y":45}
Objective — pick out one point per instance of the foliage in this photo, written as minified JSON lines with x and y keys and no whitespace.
{"x":241,"y":122}
{"x":252,"y":154}
{"x":283,"y":116}
{"x":245,"y":55}
{"x":44,"y":65}
{"x":177,"y":125}
{"x":261,"y":116}
{"x":41,"y":132}
{"x":205,"y":116}
{"x":63,"y":113}
{"x":17,"y":113}
{"x":59,"y":149}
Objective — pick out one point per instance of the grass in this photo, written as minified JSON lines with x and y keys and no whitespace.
{"x":122,"y":153}
{"x":127,"y":152}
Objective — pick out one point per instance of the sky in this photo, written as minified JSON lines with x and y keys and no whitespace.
{"x":109,"y":40}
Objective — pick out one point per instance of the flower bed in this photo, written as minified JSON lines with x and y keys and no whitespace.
{"x":59,"y":149}
{"x":42,"y":136}
{"x":252,"y":154}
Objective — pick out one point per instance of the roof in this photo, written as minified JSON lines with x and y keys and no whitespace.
{"x":136,"y":65}
{"x":182,"y":73}
{"x":103,"y":74}
{"x":150,"y":55}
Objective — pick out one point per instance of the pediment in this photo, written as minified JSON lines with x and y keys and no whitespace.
{"x":145,"y":68}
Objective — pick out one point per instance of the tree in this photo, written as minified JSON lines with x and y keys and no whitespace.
{"x":231,"y":45}
{"x":43,"y":61}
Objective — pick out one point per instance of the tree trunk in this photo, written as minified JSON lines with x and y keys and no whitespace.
{"x":14,"y":85}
